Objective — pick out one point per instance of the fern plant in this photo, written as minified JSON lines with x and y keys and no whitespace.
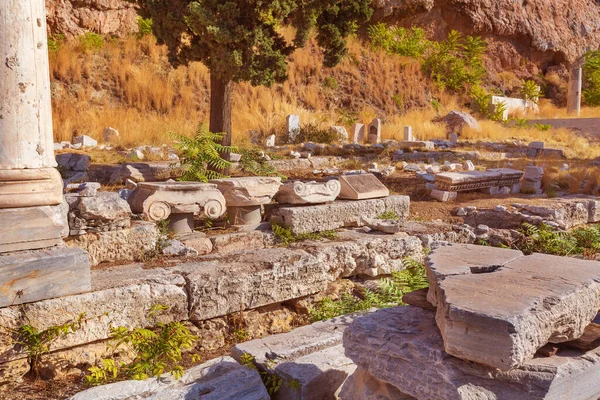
{"x":201,"y":155}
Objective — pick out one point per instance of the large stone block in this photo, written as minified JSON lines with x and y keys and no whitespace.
{"x":220,"y":285}
{"x":497,"y":307}
{"x":324,"y":217}
{"x":219,"y":379}
{"x":37,"y":275}
{"x":30,"y":228}
{"x":361,"y":187}
{"x":403,"y":347}
{"x":311,"y":355}
{"x":475,"y":180}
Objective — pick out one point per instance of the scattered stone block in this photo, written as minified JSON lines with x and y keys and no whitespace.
{"x":402,"y":347}
{"x":408,"y":134}
{"x":374,"y":133}
{"x":145,"y":172}
{"x":104,"y":212}
{"x":37,"y":275}
{"x":297,"y":192}
{"x":488,"y":302}
{"x":455,"y":121}
{"x":198,"y":242}
{"x":474,"y":180}
{"x":293,"y":127}
{"x":358,"y":133}
{"x":417,"y":144}
{"x":341,"y":133}
{"x":339,"y":214}
{"x":469,"y":166}
{"x":270,"y":141}
{"x":110,"y":134}
{"x":385,"y":226}
{"x":536,"y":145}
{"x":221,"y":378}
{"x":454,"y":139}
{"x":512,"y":105}
{"x":360,"y":187}
{"x":443,"y":196}
{"x":74,"y":161}
{"x":85,"y":141}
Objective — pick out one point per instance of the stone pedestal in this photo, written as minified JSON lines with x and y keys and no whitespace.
{"x":247,"y":215}
{"x":574,"y":92}
{"x":181,"y":223}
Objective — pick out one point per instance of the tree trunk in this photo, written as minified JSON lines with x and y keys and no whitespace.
{"x":220,"y":107}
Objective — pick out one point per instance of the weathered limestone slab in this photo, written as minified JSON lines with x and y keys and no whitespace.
{"x":297,"y":192}
{"x":120,"y":245}
{"x":157,"y":201}
{"x":220,"y":285}
{"x":443,"y":196}
{"x":403,"y":347}
{"x":358,"y":133}
{"x":219,"y":379}
{"x":311,"y":355}
{"x":381,"y":225}
{"x":361,"y":187}
{"x":474,"y":180}
{"x":498,"y":309}
{"x":30,"y":228}
{"x":419,"y":144}
{"x":145,"y":172}
{"x":248,"y":191}
{"x":339,"y":214}
{"x":36,"y":275}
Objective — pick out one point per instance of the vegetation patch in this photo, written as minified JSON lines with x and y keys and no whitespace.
{"x":285,"y":236}
{"x":584,"y":241}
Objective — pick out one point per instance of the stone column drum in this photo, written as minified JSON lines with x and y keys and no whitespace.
{"x":30,"y":187}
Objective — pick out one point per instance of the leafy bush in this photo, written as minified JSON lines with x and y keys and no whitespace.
{"x":398,"y":40}
{"x":482,"y":105}
{"x":544,"y":239}
{"x":200,"y":155}
{"x":91,"y":41}
{"x":456,"y":63}
{"x":591,"y":72}
{"x":312,"y":133}
{"x":55,"y":42}
{"x":156,"y":351}
{"x":530,"y":91}
{"x":389,"y":215}
{"x":389,"y":293}
{"x":145,"y":26}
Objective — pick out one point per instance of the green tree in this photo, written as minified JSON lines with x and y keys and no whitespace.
{"x":240,"y":40}
{"x":591,"y":73}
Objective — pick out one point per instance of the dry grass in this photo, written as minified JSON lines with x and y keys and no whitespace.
{"x":129,"y":85}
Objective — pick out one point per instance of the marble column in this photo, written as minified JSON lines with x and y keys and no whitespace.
{"x":574,"y":92}
{"x":31,"y":213}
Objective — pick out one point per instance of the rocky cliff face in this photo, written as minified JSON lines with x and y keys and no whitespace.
{"x":75,"y":17}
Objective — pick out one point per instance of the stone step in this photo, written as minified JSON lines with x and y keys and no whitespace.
{"x":219,"y":379}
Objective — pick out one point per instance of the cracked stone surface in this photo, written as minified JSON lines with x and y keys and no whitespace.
{"x":498,"y":307}
{"x":403,"y":347}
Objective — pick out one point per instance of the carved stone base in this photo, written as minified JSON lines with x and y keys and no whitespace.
{"x":30,"y":187}
{"x":30,"y":228}
{"x":31,"y":276}
{"x":249,"y":215}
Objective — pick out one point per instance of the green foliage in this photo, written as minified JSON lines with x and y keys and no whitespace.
{"x":544,"y":239}
{"x":241,"y":40}
{"x":144,"y":26}
{"x":36,"y":343}
{"x":482,"y":104}
{"x":330,"y":83}
{"x":457,"y":62}
{"x":285,"y":236}
{"x":389,"y":215}
{"x":530,"y":91}
{"x":398,"y":40}
{"x":200,"y":155}
{"x":347,"y":117}
{"x":312,"y":133}
{"x":255,"y":164}
{"x":55,"y":42}
{"x":91,"y":41}
{"x":271,"y":379}
{"x":106,"y":372}
{"x":591,"y":73}
{"x":542,"y":127}
{"x":389,"y":293}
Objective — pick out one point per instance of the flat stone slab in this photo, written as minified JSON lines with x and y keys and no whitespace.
{"x":498,"y":307}
{"x":297,"y":192}
{"x":403,"y":347}
{"x":249,"y":190}
{"x":361,"y":187}
{"x":219,"y":379}
{"x":29,"y":228}
{"x":311,"y":355}
{"x":43,"y":274}
{"x":339,"y":214}
{"x":474,"y":180}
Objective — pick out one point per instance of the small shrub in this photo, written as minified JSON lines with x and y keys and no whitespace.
{"x":285,"y":236}
{"x":255,"y":164}
{"x":145,"y":26}
{"x":312,"y":133}
{"x":482,"y":105}
{"x":398,"y":40}
{"x":55,"y":42}
{"x":91,"y":41}
{"x":200,"y":155}
{"x":389,"y":215}
{"x":330,"y":83}
{"x":542,"y":127}
{"x":530,"y":91}
{"x":591,"y":73}
{"x":347,"y":118}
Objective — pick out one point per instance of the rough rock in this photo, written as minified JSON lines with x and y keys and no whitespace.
{"x":110,"y":134}
{"x":219,"y":379}
{"x":124,"y":244}
{"x":238,"y":241}
{"x":106,"y":211}
{"x":361,"y":385}
{"x":381,"y":225}
{"x":311,"y":355}
{"x":402,"y":347}
{"x":456,"y":121}
{"x":73,"y":161}
{"x":145,"y":172}
{"x":443,"y":196}
{"x":339,"y":214}
{"x":497,"y":307}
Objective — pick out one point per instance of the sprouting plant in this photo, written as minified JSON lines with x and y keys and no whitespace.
{"x":530,"y":91}
{"x":482,"y":104}
{"x":285,"y":236}
{"x":91,"y":41}
{"x":98,"y":375}
{"x":389,"y":215}
{"x":270,"y":378}
{"x":201,"y":155}
{"x":145,"y":26}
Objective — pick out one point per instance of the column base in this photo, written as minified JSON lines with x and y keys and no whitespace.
{"x":30,"y":228}
{"x":45,"y":274}
{"x":247,"y":215}
{"x":30,"y":187}
{"x":181,"y":223}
